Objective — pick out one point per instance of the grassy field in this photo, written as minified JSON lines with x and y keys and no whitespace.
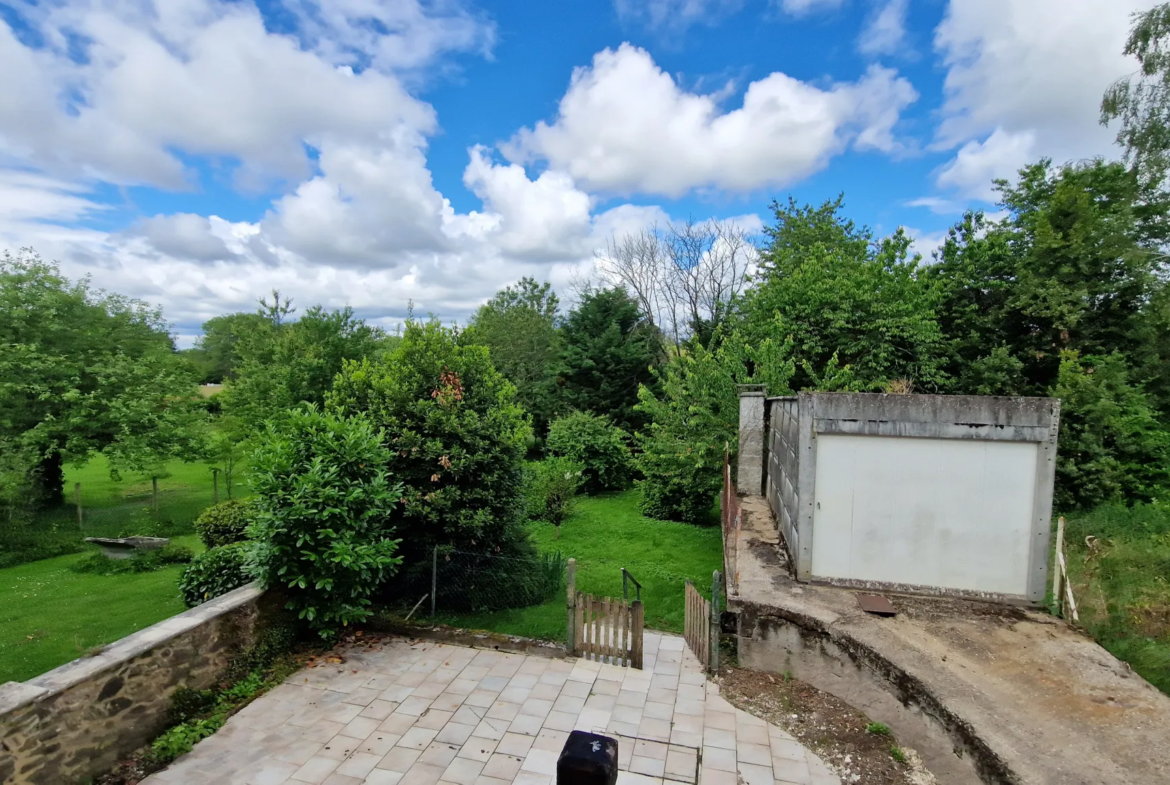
{"x":50,"y":615}
{"x":116,"y":508}
{"x":1121,"y":579}
{"x":604,"y":534}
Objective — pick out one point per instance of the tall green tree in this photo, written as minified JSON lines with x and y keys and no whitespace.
{"x":214,"y":353}
{"x":1075,"y":265}
{"x":1112,"y":445}
{"x":844,"y":301}
{"x":82,"y":372}
{"x":284,"y":363}
{"x":694,"y":420}
{"x":609,"y":348}
{"x":1141,"y":101}
{"x":519,"y":327}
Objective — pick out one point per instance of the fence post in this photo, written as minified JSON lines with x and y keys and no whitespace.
{"x":571,"y":604}
{"x":713,"y":648}
{"x":154,"y":495}
{"x":1057,"y":575}
{"x":215,"y":486}
{"x":77,"y":502}
{"x":636,"y":631}
{"x":434,"y":581}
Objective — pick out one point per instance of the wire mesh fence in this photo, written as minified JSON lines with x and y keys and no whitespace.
{"x":485,"y":591}
{"x":165,"y":507}
{"x":464,"y":582}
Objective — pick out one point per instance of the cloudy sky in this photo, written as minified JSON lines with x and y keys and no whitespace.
{"x":198,"y":153}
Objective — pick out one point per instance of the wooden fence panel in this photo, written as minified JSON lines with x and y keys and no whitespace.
{"x":697,"y":625}
{"x":609,"y":630}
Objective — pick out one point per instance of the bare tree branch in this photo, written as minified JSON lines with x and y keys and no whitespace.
{"x":685,"y":277}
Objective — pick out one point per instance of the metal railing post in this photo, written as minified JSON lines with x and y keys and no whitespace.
{"x":434,"y":581}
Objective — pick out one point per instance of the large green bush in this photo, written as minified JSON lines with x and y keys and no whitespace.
{"x":551,"y":486}
{"x":602,"y":449}
{"x":1112,"y":445}
{"x":224,"y":523}
{"x":323,"y":498}
{"x":455,"y":437}
{"x":694,"y":423}
{"x":214,"y":572}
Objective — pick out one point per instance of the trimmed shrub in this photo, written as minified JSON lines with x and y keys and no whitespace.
{"x":679,"y":490}
{"x":224,"y":523}
{"x":552,"y":484}
{"x":323,"y":497}
{"x":456,"y":439}
{"x":215,"y":572}
{"x":602,"y":449}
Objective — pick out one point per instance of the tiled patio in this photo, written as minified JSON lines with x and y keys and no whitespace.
{"x":423,"y":713}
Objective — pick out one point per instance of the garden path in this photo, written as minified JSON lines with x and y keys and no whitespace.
{"x":411,"y":712}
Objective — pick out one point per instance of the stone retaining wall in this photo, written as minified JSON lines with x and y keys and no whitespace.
{"x":78,"y":720}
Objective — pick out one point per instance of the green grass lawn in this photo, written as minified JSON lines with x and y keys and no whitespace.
{"x":116,"y":508}
{"x":50,"y":615}
{"x":604,"y":534}
{"x":1122,"y":583}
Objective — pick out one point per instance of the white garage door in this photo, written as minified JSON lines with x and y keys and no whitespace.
{"x":927,"y":512}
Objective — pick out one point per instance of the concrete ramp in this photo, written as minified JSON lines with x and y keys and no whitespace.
{"x":985,"y":693}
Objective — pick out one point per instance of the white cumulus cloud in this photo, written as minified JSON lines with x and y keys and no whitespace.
{"x":1025,"y":79}
{"x":626,"y":126}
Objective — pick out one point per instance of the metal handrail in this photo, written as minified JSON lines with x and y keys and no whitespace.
{"x":625,"y":588}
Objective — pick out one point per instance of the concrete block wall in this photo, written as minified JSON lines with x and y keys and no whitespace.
{"x":78,"y":720}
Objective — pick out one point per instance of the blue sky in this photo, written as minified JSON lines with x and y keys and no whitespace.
{"x":197,"y":153}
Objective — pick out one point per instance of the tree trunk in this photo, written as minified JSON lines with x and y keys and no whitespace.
{"x":48,"y":482}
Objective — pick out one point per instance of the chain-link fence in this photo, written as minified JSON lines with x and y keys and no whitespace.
{"x":165,"y":507}
{"x":517,"y":595}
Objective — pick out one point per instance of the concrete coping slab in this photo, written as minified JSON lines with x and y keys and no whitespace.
{"x":13,"y":695}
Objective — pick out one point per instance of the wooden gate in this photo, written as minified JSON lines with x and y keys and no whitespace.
{"x":609,"y":630}
{"x":701,"y":625}
{"x":601,"y":628}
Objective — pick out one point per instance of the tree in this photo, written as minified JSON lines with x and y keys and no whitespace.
{"x":686,"y":277}
{"x":456,"y":439}
{"x":283,"y":364}
{"x":1075,"y":265}
{"x":1112,"y":445}
{"x":215,"y":352}
{"x":1141,"y":101}
{"x":83,"y":371}
{"x":227,"y":446}
{"x":518,"y":326}
{"x":608,"y":349}
{"x":694,"y":419}
{"x":844,"y":301}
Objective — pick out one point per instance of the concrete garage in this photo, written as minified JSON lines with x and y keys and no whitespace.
{"x":930,"y":494}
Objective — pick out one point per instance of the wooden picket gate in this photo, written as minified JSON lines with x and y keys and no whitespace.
{"x":701,"y":625}
{"x":602,"y":628}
